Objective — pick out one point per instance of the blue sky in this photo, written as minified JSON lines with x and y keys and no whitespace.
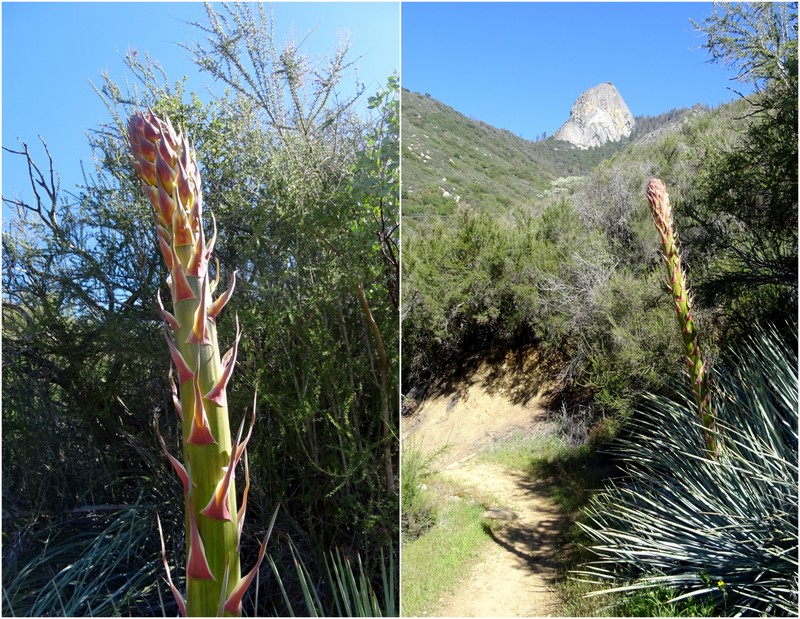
{"x":518,"y":66}
{"x":52,"y":50}
{"x":521,"y":66}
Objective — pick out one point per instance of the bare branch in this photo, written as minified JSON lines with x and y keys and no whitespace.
{"x":50,"y":185}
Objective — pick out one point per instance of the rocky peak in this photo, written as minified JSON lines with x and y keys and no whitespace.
{"x":598,"y":116}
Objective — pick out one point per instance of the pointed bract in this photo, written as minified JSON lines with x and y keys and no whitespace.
{"x":165,"y":204}
{"x":217,"y":393}
{"x":184,"y":372}
{"x":234,"y":603}
{"x":243,"y":509}
{"x":197,"y":563}
{"x":216,"y":306}
{"x":181,"y":290}
{"x":166,"y":251}
{"x":212,"y":286}
{"x":218,"y":506}
{"x":198,"y":334}
{"x":175,"y":400}
{"x":176,"y":594}
{"x":212,"y":242}
{"x":198,"y":263}
{"x":152,"y":193}
{"x":200,"y":433}
{"x":243,"y":444}
{"x":171,"y":320}
{"x":179,"y":469}
{"x":165,"y":168}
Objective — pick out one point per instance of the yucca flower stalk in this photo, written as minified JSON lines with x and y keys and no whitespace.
{"x":167,"y":166}
{"x":658,"y":198}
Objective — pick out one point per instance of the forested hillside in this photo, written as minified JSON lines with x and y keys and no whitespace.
{"x":523,"y":242}
{"x":449,"y":158}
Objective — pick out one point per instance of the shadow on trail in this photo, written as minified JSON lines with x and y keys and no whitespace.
{"x":525,"y":544}
{"x":535,"y":537}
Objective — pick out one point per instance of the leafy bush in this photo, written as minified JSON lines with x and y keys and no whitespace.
{"x":419,"y":511}
{"x":723,"y":526}
{"x":307,"y":212}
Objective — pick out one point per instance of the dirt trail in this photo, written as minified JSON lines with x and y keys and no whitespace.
{"x":515,"y":575}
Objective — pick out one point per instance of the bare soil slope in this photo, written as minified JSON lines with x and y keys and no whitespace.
{"x":484,"y":403}
{"x":515,"y":575}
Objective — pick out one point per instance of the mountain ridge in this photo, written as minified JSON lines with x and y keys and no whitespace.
{"x":451,"y":161}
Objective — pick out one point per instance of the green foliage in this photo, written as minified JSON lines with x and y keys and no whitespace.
{"x":305,"y":198}
{"x":567,"y":279}
{"x":724,"y":526}
{"x":79,"y":285}
{"x":87,"y":564}
{"x":456,"y":290}
{"x":657,"y":602}
{"x":352,"y":595}
{"x":444,"y":151}
{"x":758,"y":40}
{"x":744,"y":207}
{"x":418,"y":509}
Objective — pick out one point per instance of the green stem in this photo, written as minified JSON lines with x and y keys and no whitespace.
{"x":168,"y":171}
{"x":658,"y":198}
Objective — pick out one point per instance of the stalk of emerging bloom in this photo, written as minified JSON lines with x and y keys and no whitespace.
{"x":662,"y":215}
{"x":166,"y":165}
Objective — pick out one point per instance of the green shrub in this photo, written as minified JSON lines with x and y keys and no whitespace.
{"x":419,"y":511}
